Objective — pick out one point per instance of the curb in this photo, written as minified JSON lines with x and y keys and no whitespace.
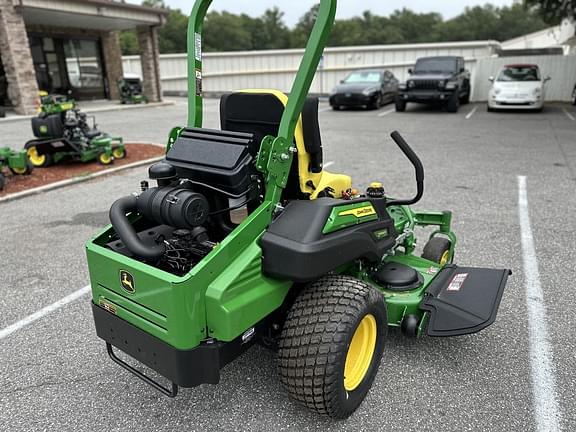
{"x":76,"y":180}
{"x":118,"y":107}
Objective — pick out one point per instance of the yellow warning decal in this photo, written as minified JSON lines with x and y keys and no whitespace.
{"x":359,"y":212}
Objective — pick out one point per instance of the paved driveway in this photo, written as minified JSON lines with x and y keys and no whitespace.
{"x":55,"y":374}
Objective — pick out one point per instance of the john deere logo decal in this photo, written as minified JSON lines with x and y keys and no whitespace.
{"x":359,"y":212}
{"x":127,"y":282}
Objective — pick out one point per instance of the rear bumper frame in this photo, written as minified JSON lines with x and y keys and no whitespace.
{"x":184,"y":368}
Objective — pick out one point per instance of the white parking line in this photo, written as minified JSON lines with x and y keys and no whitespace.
{"x":324,"y":109}
{"x":570,"y":116}
{"x":546,"y":408}
{"x":5,"y":332}
{"x":385,"y":113}
{"x":328,"y":164}
{"x":471,"y":113}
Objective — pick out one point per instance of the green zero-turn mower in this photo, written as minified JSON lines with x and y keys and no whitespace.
{"x":130,"y":89}
{"x":15,"y":161}
{"x":63,"y":132}
{"x":246,"y":238}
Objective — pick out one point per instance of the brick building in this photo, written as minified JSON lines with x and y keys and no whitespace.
{"x":72,"y":46}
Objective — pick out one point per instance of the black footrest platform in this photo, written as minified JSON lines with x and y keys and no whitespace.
{"x":463,"y":300}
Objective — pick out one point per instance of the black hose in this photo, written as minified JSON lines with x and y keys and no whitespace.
{"x":127,"y":233}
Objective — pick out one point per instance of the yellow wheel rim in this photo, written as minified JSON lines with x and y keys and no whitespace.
{"x":360,"y":353}
{"x":104,"y":158}
{"x":35,"y":158}
{"x":118,"y":153}
{"x":19,"y":171}
{"x":445,"y":258}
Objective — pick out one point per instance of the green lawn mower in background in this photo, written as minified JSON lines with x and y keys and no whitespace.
{"x":130,"y":88}
{"x":244,"y":238}
{"x":62,"y":132}
{"x":16,"y":161}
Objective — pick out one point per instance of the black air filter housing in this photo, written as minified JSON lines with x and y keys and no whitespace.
{"x":48,"y":126}
{"x":219,"y":158}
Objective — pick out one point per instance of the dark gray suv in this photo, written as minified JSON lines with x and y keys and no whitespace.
{"x":436,"y":80}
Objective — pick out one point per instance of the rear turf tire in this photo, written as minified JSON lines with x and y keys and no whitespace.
{"x":39,"y":161}
{"x":437,"y":250}
{"x":329,"y":317}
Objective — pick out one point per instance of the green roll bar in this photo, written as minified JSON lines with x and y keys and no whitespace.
{"x":300,"y":88}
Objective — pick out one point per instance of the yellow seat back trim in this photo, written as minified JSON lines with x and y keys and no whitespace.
{"x":303,"y":157}
{"x":320,"y":180}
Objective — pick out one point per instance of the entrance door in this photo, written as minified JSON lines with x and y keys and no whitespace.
{"x":85,"y":71}
{"x":48,"y":63}
{"x":68,"y":66}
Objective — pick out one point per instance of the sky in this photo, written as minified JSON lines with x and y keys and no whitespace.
{"x":294,"y":9}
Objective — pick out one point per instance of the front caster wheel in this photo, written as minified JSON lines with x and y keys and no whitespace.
{"x":331,"y":345}
{"x":27,"y":170}
{"x":438,"y":250}
{"x":119,"y":153}
{"x":105,"y":158}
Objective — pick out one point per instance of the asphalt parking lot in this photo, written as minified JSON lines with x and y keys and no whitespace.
{"x":55,"y":373}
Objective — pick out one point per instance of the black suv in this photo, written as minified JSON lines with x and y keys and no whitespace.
{"x":436,"y":80}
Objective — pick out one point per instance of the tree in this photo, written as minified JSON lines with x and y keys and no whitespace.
{"x":553,"y":11}
{"x":224,"y":31}
{"x":172,"y":35}
{"x":304,"y":27}
{"x":476,"y":23}
{"x":275,"y":33}
{"x":417,"y":28}
{"x":516,"y":21}
{"x":129,"y":42}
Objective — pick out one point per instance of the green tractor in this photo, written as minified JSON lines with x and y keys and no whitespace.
{"x":16,"y":161}
{"x":244,"y":238}
{"x":62,"y":132}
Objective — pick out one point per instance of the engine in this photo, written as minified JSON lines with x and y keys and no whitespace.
{"x":194,"y":206}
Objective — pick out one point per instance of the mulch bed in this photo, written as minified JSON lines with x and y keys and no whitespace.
{"x":71,"y":169}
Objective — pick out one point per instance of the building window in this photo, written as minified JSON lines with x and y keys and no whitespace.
{"x":83,"y":64}
{"x":68,"y":66}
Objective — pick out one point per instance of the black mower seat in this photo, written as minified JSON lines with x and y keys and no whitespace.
{"x":259,"y":112}
{"x":92,"y":133}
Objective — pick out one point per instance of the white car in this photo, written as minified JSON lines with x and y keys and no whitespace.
{"x":518,"y":86}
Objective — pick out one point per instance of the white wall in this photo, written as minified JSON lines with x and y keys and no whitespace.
{"x":562,"y":70}
{"x":551,"y":37}
{"x":276,"y":68}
